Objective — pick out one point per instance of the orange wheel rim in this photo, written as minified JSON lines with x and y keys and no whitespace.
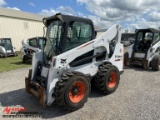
{"x":112,"y":80}
{"x":77,"y":92}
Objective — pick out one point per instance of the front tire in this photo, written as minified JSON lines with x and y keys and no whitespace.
{"x":155,"y":63}
{"x":108,"y":77}
{"x":72,"y":90}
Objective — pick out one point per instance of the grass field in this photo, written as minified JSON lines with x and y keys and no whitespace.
{"x":11,"y":63}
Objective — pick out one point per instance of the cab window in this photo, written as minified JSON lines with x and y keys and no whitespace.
{"x":33,"y":42}
{"x":78,"y":33}
{"x":156,"y":38}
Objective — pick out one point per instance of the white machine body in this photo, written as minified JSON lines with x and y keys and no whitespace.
{"x":61,"y":63}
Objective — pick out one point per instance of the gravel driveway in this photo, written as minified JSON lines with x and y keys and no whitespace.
{"x":137,"y":98}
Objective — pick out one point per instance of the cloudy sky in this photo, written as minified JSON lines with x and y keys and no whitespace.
{"x":131,"y":14}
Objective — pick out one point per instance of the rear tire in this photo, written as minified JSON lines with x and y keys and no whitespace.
{"x":108,"y":77}
{"x":155,"y":63}
{"x":72,"y":90}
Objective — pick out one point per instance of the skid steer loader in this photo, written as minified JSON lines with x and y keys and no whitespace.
{"x":146,"y":49}
{"x":72,"y":57}
{"x":6,"y":48}
{"x":30,"y":46}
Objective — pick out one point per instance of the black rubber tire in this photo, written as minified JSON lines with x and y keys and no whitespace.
{"x":126,"y":62}
{"x":63,"y":87}
{"x":103,"y":76}
{"x":155,"y":63}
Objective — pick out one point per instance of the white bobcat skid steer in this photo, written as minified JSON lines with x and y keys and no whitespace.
{"x":146,"y":49}
{"x":6,"y":48}
{"x":71,"y":59}
{"x":30,"y":46}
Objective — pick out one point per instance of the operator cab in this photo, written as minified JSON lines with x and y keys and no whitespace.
{"x":145,"y":38}
{"x":146,"y":50}
{"x":31,"y":46}
{"x":37,"y":42}
{"x":66,"y":32}
{"x":6,"y":48}
{"x":6,"y":43}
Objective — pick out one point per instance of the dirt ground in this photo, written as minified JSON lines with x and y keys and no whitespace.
{"x":137,"y":98}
